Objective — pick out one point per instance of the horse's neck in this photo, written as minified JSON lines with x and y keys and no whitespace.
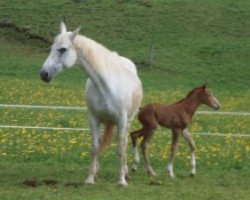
{"x":91,"y":57}
{"x":191,"y":104}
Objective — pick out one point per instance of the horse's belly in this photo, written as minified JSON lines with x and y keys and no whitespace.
{"x":118,"y":100}
{"x":103,"y":108}
{"x":103,"y":111}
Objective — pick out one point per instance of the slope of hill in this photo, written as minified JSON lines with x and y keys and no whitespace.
{"x":193,"y":41}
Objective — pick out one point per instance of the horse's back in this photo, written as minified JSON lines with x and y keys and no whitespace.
{"x":128,"y":64}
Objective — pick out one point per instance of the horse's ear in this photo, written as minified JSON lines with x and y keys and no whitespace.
{"x":75,"y":33}
{"x":63,"y":28}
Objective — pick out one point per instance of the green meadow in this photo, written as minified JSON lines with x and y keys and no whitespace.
{"x":177,"y":45}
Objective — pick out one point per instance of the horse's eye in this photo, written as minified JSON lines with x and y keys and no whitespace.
{"x":62,"y":50}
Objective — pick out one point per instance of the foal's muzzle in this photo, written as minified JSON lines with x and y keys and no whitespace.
{"x":45,"y":76}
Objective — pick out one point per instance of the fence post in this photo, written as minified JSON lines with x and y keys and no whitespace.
{"x":151,"y":56}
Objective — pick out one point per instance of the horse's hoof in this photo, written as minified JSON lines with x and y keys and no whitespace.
{"x":192,"y":174}
{"x":127,"y":177}
{"x":122,"y":184}
{"x":89,"y":181}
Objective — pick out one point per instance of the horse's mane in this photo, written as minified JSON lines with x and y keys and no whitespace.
{"x":97,"y":55}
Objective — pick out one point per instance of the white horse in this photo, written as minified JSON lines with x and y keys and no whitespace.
{"x":113,"y":90}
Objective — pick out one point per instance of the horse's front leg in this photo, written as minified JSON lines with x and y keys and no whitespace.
{"x":190,"y":141}
{"x":95,"y":130}
{"x":174,"y":147}
{"x":122,"y":148}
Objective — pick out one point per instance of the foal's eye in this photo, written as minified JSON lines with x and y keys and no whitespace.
{"x":62,"y":50}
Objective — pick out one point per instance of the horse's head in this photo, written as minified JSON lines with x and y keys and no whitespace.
{"x":62,"y":54}
{"x":208,"y":98}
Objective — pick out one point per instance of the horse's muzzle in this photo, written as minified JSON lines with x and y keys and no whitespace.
{"x":45,"y":76}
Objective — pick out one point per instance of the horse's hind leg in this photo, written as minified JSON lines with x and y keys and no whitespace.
{"x":122,"y":128}
{"x":174,"y":147}
{"x":191,"y":144}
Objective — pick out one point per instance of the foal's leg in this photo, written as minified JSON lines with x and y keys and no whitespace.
{"x":94,"y":125}
{"x":134,"y":137}
{"x":191,"y":144}
{"x":174,"y":147}
{"x":144,"y":147}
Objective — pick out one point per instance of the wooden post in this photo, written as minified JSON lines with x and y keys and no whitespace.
{"x":151,"y":56}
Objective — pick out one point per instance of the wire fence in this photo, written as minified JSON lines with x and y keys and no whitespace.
{"x":87,"y":129}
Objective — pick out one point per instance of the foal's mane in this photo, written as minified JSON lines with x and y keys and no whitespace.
{"x":189,"y":94}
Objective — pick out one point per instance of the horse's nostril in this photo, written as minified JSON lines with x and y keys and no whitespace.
{"x":44,"y":74}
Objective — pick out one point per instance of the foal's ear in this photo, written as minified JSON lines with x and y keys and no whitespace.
{"x":75,"y":33}
{"x":63,"y":28}
{"x":204,"y":86}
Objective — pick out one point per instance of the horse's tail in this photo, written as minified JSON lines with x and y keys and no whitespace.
{"x":107,"y":135}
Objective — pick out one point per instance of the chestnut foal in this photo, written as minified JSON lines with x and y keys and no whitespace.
{"x":177,"y":117}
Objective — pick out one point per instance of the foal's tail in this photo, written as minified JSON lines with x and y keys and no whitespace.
{"x":107,"y":135}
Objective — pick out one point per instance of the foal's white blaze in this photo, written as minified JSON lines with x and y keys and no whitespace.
{"x":215,"y":103}
{"x":113,"y":90}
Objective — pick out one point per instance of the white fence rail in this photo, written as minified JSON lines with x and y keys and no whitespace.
{"x":86,"y":129}
{"x":84,"y":108}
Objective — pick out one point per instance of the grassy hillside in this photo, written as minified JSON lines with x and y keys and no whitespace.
{"x":193,"y":41}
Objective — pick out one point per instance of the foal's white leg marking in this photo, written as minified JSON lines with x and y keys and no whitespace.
{"x":174,"y":148}
{"x":193,"y":164}
{"x":136,"y":155}
{"x":95,"y":125}
{"x":191,"y":144}
{"x":136,"y":158}
{"x":170,"y":169}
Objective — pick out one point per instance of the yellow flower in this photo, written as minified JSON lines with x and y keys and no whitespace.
{"x":73,"y":141}
{"x":247,"y":148}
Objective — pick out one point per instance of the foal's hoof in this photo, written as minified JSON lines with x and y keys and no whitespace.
{"x":134,"y":168}
{"x":152,"y":174}
{"x":171,"y":175}
{"x":155,"y":183}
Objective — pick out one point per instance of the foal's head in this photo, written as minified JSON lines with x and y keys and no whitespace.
{"x":207,"y":97}
{"x":62,"y":54}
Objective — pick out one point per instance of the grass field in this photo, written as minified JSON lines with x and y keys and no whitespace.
{"x":194,"y":42}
